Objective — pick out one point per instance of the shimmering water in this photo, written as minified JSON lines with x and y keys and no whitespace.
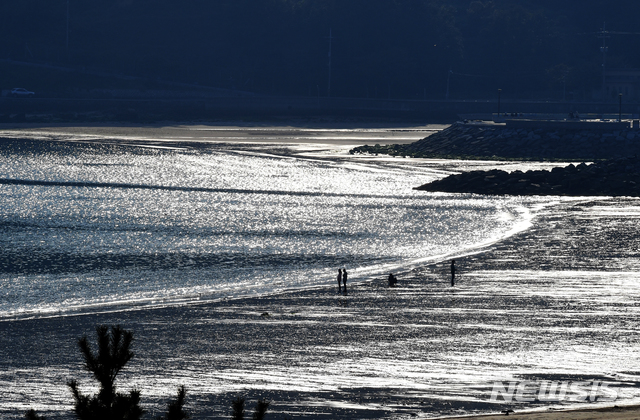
{"x":88,"y":228}
{"x":87,"y":225}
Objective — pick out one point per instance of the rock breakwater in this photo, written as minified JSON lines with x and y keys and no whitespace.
{"x":560,"y":141}
{"x":616,"y":177}
{"x":614,"y":147}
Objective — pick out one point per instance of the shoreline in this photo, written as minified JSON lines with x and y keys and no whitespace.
{"x":295,"y":320}
{"x":367,"y":355}
{"x":150,"y":304}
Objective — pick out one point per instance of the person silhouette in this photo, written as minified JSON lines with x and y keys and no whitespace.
{"x":453,"y":273}
{"x":339,"y":280}
{"x":344,"y":279}
{"x":392,"y":280}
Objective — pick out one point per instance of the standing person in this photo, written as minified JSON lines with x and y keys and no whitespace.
{"x":392,"y":280}
{"x":344,"y":279}
{"x":453,"y":273}
{"x":339,"y":280}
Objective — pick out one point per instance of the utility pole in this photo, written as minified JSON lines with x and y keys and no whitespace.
{"x":329,"y":82}
{"x":604,"y":35}
{"x":67,"y":26}
{"x":620,"y":107}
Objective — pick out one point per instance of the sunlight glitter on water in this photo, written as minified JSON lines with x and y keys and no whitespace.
{"x":102,"y":225}
{"x":163,"y":227}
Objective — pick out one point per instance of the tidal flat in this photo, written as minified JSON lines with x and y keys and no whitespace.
{"x":554,"y":300}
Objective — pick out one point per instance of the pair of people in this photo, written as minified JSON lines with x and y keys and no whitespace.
{"x":342,"y":279}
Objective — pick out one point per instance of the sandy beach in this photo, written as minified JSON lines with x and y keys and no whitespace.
{"x":318,"y":354}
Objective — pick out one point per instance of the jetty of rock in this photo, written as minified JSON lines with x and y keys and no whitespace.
{"x":616,"y":177}
{"x":523,"y":140}
{"x":613,"y":146}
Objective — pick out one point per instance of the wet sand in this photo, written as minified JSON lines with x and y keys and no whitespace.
{"x":316,"y":353}
{"x":609,"y":413}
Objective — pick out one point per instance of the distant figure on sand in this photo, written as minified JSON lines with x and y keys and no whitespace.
{"x":453,"y":273}
{"x":344,"y":279}
{"x":392,"y":280}
{"x":339,"y":280}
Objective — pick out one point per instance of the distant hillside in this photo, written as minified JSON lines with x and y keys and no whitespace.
{"x":412,"y":49}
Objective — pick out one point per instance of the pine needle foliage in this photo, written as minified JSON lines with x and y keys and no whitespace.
{"x":261,"y":409}
{"x":259,"y":412}
{"x":31,"y":415}
{"x":175,"y":409}
{"x":237,"y":407}
{"x":112,"y":355}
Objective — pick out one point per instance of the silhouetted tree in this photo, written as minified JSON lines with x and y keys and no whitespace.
{"x":112,"y":355}
{"x":237,"y":407}
{"x":261,"y":409}
{"x":31,"y":415}
{"x":175,"y":409}
{"x":259,"y":412}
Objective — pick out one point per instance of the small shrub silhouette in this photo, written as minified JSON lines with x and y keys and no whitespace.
{"x":259,"y":412}
{"x":261,"y":409}
{"x":112,"y":355}
{"x":237,"y":407}
{"x":175,"y":409}
{"x":31,"y":415}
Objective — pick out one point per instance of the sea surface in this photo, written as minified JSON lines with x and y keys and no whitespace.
{"x":86,"y":226}
{"x":548,"y":287}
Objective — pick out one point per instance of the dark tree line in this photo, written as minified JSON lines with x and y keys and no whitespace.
{"x":379,"y":48}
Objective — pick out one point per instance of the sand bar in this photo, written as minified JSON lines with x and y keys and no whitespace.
{"x":303,"y":132}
